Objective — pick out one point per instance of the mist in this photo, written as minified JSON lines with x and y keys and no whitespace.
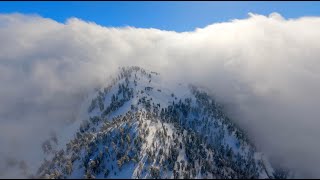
{"x":265,"y":70}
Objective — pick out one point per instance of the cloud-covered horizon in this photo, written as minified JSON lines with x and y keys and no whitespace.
{"x":264,"y":69}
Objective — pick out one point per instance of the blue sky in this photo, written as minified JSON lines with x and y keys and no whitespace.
{"x":177,"y":16}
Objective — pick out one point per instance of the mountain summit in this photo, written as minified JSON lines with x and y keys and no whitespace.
{"x":139,"y":126}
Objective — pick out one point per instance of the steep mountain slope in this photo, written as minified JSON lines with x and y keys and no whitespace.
{"x":140,"y":126}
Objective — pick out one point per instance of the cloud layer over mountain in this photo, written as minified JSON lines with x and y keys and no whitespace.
{"x":264,"y":69}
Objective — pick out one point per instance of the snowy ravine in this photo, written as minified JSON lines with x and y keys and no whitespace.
{"x":141,"y":127}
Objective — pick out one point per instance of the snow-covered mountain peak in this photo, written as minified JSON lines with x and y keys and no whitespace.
{"x":142,"y":126}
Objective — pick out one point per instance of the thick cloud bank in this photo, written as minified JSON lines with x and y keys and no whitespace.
{"x":265,"y":69}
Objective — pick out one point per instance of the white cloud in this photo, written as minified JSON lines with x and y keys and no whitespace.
{"x":265,"y":69}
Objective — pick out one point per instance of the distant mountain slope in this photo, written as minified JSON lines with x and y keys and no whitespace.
{"x":139,"y":126}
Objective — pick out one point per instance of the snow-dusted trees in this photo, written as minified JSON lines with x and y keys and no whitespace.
{"x":280,"y":173}
{"x":155,"y":172}
{"x":68,"y":168}
{"x":46,"y":147}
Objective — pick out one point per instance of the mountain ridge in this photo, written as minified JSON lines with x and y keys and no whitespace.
{"x":139,"y":126}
